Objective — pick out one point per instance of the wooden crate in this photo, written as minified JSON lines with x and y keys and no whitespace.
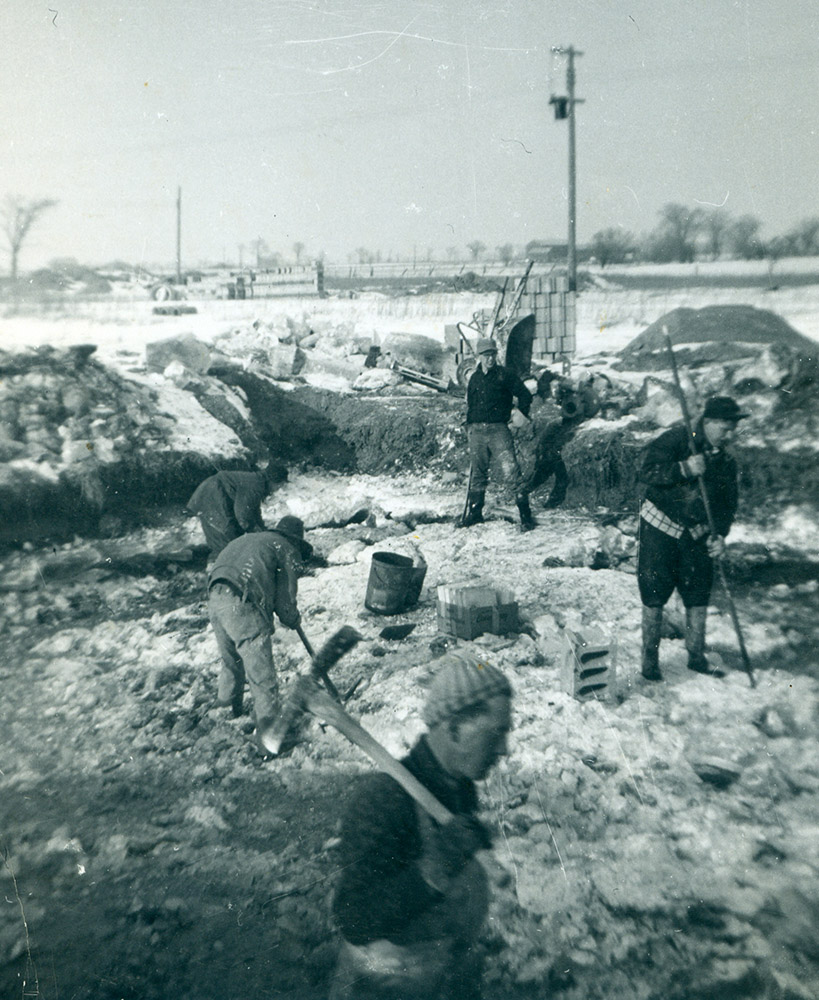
{"x":468,"y":611}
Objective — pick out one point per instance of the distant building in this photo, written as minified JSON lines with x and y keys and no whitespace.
{"x":553,"y":252}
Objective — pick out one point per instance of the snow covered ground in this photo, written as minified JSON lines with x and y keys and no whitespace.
{"x":608,"y":318}
{"x":150,"y":845}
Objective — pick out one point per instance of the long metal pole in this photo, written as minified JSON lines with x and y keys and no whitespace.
{"x":746,"y":663}
{"x":572,"y":249}
{"x":179,"y":236}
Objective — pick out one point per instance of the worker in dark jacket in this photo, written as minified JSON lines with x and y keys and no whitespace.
{"x":676,"y":546}
{"x":490,"y":393}
{"x":412,"y":897}
{"x":255,"y":576}
{"x":229,"y":503}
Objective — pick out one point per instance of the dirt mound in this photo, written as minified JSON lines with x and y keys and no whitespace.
{"x":711,"y":335}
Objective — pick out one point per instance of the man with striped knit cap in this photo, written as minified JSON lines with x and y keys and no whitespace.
{"x":412,"y":897}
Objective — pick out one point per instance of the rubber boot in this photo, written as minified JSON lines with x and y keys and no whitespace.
{"x":474,"y":510}
{"x":527,"y":522}
{"x":652,"y":627}
{"x":695,"y":641}
{"x":231,"y":692}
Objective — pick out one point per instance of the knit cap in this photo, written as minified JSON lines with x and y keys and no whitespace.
{"x":460,"y":682}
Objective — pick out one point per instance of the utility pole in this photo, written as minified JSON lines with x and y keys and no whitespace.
{"x":564,"y":108}
{"x":179,"y":236}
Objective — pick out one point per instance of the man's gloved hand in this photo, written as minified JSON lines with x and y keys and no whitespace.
{"x":693,"y":466}
{"x":461,"y":838}
{"x":716,"y":546}
{"x":517,"y":418}
{"x":450,"y":847}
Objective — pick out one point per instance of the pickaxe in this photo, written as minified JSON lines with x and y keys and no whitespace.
{"x":337,"y":645}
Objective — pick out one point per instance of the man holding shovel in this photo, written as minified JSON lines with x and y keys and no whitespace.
{"x":253,"y":577}
{"x":677,"y":547}
{"x":412,"y":898}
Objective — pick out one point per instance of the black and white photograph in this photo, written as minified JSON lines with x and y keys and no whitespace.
{"x":409,"y":500}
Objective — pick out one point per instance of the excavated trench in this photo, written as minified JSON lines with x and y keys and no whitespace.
{"x":152,"y":853}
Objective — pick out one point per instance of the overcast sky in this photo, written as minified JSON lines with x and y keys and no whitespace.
{"x":396,"y":125}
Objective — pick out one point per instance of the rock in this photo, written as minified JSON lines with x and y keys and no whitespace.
{"x":186,"y":349}
{"x":659,"y":403}
{"x":414,"y":351}
{"x":346,"y":554}
{"x":788,"y":987}
{"x":776,"y":721}
{"x":376,"y":378}
{"x":716,"y":771}
{"x":177,"y":373}
{"x":320,"y":364}
{"x":285,"y":360}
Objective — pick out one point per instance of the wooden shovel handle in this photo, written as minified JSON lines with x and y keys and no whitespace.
{"x":320,"y":704}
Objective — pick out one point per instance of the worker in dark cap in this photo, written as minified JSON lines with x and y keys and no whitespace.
{"x":677,"y":548}
{"x":490,"y":393}
{"x":253,"y":577}
{"x":229,"y":503}
{"x":412,"y":897}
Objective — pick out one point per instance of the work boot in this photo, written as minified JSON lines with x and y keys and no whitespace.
{"x":652,"y":627}
{"x":695,"y":642}
{"x":474,"y":510}
{"x":527,"y":522}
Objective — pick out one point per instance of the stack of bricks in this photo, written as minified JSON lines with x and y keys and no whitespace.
{"x":549,"y":298}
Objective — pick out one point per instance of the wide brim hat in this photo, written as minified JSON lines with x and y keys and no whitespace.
{"x":292,"y":528}
{"x":723,"y":408}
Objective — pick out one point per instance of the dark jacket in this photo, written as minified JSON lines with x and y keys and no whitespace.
{"x":489,"y":396}
{"x":678,"y":497}
{"x":262,"y":568}
{"x":229,"y":504}
{"x":381,"y":890}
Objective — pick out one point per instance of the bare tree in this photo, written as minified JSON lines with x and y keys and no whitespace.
{"x":452,"y":253}
{"x":298,"y":250}
{"x":675,"y":236}
{"x":612,"y":246}
{"x":744,"y":237}
{"x":18,"y":216}
{"x":505,"y":253}
{"x":261,"y":249}
{"x":716,"y":225}
{"x":775,"y":248}
{"x":804,"y":237}
{"x":476,"y":248}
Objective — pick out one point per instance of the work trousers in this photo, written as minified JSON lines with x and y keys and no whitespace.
{"x":488,"y":442}
{"x":665,"y":562}
{"x":218,"y":532}
{"x":244,"y":639}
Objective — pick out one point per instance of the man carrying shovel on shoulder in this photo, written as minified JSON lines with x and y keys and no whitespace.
{"x":412,"y":897}
{"x":255,"y":576}
{"x":677,"y":547}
